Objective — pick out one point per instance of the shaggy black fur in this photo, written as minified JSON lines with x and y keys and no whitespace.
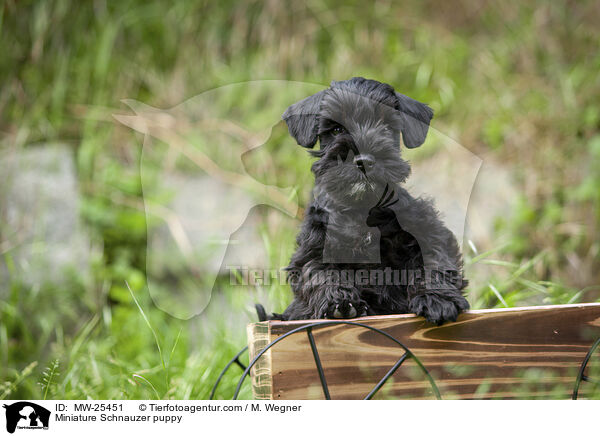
{"x":361,"y":222}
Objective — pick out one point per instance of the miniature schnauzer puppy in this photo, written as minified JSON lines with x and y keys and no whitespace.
{"x":366,"y":246}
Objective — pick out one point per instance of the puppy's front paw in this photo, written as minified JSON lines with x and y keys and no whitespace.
{"x":346,"y":307}
{"x":438,"y":309}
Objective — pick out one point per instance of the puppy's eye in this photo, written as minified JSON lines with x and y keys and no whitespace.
{"x":337,"y":130}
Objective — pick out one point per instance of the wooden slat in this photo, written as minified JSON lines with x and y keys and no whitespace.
{"x":259,"y":337}
{"x":531,"y":352}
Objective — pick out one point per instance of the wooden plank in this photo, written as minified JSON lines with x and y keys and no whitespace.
{"x":258,"y":338}
{"x":529,"y":352}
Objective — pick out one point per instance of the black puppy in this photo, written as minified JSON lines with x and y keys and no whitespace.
{"x":366,"y":246}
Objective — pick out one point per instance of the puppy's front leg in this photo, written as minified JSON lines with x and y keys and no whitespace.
{"x":437,"y":295}
{"x":320,"y":295}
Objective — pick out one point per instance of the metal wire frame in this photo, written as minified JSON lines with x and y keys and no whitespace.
{"x":309,"y":328}
{"x":236,"y":359}
{"x":581,"y":376}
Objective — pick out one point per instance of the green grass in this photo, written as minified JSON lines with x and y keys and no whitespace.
{"x":515,"y":83}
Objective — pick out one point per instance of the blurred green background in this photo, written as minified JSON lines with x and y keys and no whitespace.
{"x":516,"y":84}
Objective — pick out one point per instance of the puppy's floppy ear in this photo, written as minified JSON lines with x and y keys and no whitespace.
{"x":416,"y":117}
{"x":302,"y":118}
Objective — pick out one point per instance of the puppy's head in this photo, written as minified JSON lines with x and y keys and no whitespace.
{"x":358,"y":123}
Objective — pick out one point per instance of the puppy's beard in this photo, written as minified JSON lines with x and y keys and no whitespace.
{"x":359,"y":189}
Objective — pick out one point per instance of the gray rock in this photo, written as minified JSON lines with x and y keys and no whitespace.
{"x":39,"y":220}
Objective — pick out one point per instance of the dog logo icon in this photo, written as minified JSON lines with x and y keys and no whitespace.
{"x":26,"y":415}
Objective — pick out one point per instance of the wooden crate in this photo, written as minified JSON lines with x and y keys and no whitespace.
{"x":528,"y":352}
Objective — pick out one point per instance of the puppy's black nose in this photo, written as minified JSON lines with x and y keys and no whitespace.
{"x":365,"y":161}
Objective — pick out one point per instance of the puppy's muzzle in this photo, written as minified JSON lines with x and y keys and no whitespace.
{"x":364,"y":161}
